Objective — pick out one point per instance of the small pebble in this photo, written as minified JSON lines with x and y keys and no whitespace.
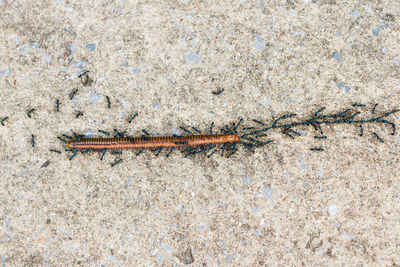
{"x":45,"y":164}
{"x":187,"y":256}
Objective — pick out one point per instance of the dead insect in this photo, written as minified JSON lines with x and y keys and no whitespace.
{"x":132,"y":117}
{"x":85,"y":78}
{"x":108,"y":101}
{"x":78,"y":114}
{"x":3,"y":120}
{"x":29,"y":112}
{"x":32,"y":140}
{"x":73,"y":93}
{"x":219,"y":91}
{"x":58,"y":105}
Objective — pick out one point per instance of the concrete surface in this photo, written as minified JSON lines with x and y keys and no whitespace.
{"x":283,"y":205}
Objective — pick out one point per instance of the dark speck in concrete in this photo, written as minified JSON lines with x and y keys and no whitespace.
{"x":187,"y":256}
{"x":389,"y":17}
{"x":45,"y":164}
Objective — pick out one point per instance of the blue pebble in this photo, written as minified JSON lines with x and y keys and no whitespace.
{"x":343,"y":85}
{"x":72,"y":48}
{"x":246,"y":180}
{"x":192,"y":57}
{"x":230,"y":258}
{"x":94,"y":97}
{"x":303,"y":164}
{"x":377,"y":30}
{"x":91,"y":47}
{"x":256,"y":210}
{"x":47,"y":58}
{"x":297,"y":33}
{"x":260,"y":44}
{"x":332,"y":210}
{"x":89,"y":134}
{"x":355,"y":14}
{"x":80,"y":65}
{"x":176,"y":131}
{"x":129,"y":181}
{"x":338,"y":56}
{"x":340,"y":84}
{"x":268,"y":192}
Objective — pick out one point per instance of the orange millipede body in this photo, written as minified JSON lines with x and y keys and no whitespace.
{"x":119,"y":143}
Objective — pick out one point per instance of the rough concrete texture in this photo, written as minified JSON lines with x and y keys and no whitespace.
{"x":283,"y":205}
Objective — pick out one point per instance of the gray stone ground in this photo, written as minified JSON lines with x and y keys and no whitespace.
{"x":283,"y":205}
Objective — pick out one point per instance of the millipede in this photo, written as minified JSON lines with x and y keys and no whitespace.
{"x":152,"y":142}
